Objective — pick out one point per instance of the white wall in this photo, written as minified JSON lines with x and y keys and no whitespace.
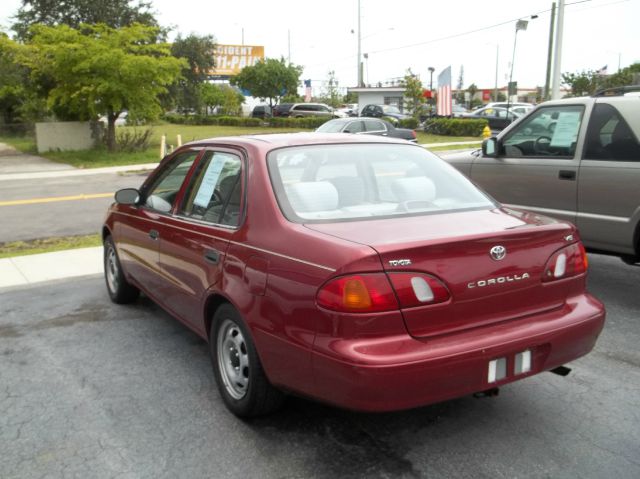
{"x":375,"y":98}
{"x":68,"y":135}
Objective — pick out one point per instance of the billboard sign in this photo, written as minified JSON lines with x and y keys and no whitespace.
{"x":230,"y":59}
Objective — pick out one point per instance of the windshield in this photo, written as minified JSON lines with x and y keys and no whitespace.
{"x":390,"y":109}
{"x":331,"y":127}
{"x":323,"y":183}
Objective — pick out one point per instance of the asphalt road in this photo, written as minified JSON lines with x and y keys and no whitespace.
{"x":90,"y":389}
{"x":49,"y":218}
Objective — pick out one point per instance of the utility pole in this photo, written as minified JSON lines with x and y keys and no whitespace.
{"x":545,"y":95}
{"x":495,"y":89}
{"x":557,"y":54}
{"x":359,"y":49}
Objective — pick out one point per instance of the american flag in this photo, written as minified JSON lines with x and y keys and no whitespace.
{"x":443,"y":107}
{"x":307,"y":91}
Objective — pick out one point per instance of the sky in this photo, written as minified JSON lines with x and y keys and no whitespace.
{"x":321,"y":35}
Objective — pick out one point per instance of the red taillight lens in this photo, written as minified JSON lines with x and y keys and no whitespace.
{"x":565,"y":263}
{"x":364,"y":293}
{"x":417,"y":289}
{"x":370,"y":293}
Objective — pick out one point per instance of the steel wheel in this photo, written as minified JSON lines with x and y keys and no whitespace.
{"x":111,"y":269}
{"x":240,"y":378}
{"x":233,"y":359}
{"x":119,"y":289}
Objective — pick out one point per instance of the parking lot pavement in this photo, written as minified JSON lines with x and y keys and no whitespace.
{"x":90,"y":389}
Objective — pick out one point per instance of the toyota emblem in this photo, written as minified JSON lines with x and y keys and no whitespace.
{"x":498,"y":252}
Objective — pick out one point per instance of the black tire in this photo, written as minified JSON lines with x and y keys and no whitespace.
{"x":244,"y":387}
{"x":119,"y":289}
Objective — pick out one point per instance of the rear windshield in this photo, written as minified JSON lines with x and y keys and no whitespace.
{"x":326,"y":183}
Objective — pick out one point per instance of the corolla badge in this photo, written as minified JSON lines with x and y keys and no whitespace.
{"x":498,"y":252}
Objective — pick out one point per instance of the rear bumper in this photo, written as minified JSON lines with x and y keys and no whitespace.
{"x":402,"y":372}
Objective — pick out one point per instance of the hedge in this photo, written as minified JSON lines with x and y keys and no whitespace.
{"x":410,"y":123}
{"x":455,"y":126}
{"x":277,"y":122}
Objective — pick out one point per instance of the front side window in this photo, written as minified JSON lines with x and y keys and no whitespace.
{"x":214,"y":193}
{"x":162,"y":194}
{"x":609,"y":136}
{"x":325,"y":183}
{"x":549,"y":132}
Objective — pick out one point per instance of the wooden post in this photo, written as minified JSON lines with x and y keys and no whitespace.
{"x":179,"y":140}
{"x":163,"y":146}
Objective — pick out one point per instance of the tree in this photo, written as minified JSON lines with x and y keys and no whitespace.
{"x":460,"y":86}
{"x":588,"y":82}
{"x":211,"y":95}
{"x":413,"y":94}
{"x":581,"y":84}
{"x":114,"y":13}
{"x":331,"y":94}
{"x":103,"y":70}
{"x":198,"y":53}
{"x":472,"y":90}
{"x":269,"y":79}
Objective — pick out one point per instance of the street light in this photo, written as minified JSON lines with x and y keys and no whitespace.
{"x":520,"y":25}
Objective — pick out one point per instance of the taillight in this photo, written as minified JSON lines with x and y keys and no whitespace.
{"x":418,"y":289}
{"x":565,"y":263}
{"x":363,"y":293}
{"x":413,"y":133}
{"x":370,"y":293}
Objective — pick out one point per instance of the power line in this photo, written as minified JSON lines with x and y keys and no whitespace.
{"x":469,"y":32}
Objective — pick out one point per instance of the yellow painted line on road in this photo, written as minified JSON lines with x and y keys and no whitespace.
{"x":54,"y":199}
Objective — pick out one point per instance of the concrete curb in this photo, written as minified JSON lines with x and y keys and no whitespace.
{"x":77,"y":172}
{"x":38,"y":268}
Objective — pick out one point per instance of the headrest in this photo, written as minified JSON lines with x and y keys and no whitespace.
{"x":416,"y":188}
{"x":311,"y":196}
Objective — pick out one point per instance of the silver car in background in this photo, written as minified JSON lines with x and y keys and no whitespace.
{"x":577,"y":159}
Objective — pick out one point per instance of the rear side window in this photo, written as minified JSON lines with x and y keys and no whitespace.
{"x":609,"y":136}
{"x":327,"y":183}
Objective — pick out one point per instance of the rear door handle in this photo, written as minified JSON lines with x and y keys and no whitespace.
{"x":212,"y":256}
{"x":567,"y":175}
{"x":153,"y":234}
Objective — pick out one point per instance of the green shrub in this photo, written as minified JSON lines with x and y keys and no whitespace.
{"x":310,"y":122}
{"x":410,"y":123}
{"x":455,"y":126}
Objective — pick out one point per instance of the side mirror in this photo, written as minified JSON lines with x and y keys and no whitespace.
{"x":127,"y":196}
{"x":490,"y":147}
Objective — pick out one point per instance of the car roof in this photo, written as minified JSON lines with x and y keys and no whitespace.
{"x":279,"y":140}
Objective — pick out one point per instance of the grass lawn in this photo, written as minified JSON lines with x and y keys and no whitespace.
{"x":47,"y":245}
{"x":100,"y":157}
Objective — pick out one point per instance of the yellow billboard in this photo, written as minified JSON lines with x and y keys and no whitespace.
{"x":230,"y":59}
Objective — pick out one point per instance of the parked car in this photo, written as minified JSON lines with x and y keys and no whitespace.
{"x":518,"y":107}
{"x":261,"y":111}
{"x":367,"y":126}
{"x":120,"y":121}
{"x":282,"y":109}
{"x":458,"y":110}
{"x":357,"y":270}
{"x":498,"y":118}
{"x":577,"y":159}
{"x":300,"y":110}
{"x":349,"y":109}
{"x":379,"y":111}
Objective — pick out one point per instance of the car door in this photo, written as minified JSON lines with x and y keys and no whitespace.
{"x":138,"y":235}
{"x":536,"y":168}
{"x":196,"y":238}
{"x":609,"y":180}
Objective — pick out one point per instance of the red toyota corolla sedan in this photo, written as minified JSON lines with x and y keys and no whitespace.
{"x":363,"y":272}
